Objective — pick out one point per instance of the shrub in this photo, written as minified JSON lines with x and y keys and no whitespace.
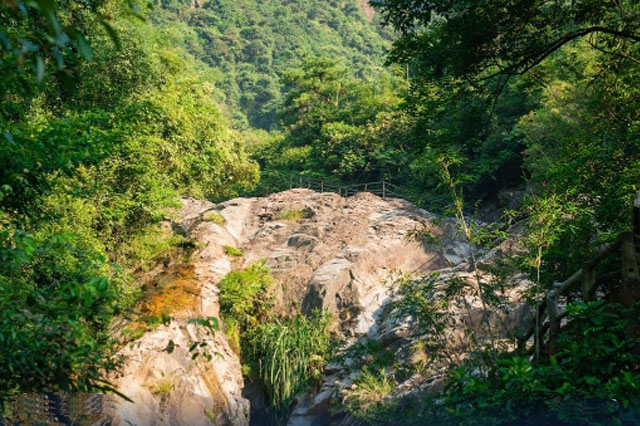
{"x":162,"y":388}
{"x":53,"y":336}
{"x":596,"y":362}
{"x":243,"y":298}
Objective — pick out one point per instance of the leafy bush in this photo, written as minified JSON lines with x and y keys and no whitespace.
{"x":592,"y":378}
{"x":243,"y":298}
{"x":286,"y":354}
{"x":53,"y":336}
{"x":92,"y":155}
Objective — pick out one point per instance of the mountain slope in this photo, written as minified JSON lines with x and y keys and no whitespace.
{"x":248,"y":44}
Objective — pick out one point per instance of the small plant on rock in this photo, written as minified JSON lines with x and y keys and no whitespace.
{"x":292,"y":215}
{"x":369,"y":390}
{"x":232,"y":251}
{"x":243,"y":298}
{"x":215,"y":217}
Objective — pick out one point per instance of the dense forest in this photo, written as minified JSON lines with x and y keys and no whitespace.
{"x":110,"y":111}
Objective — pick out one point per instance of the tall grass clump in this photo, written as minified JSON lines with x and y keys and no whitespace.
{"x":286,"y":354}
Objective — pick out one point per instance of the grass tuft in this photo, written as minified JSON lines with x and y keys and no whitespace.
{"x":292,"y":215}
{"x":232,"y":251}
{"x":215,"y":217}
{"x":162,"y":388}
{"x":370,"y":388}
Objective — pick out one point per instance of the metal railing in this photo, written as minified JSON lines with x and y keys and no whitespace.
{"x":382,"y":188}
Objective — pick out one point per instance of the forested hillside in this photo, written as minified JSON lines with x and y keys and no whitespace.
{"x":105,"y":123}
{"x":513,"y":127}
{"x":249,"y":45}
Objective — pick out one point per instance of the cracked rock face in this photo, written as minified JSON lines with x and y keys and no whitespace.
{"x":337,"y":254}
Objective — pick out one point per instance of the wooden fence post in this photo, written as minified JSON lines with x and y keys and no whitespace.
{"x":384,"y":189}
{"x":321,"y":186}
{"x":629,"y":291}
{"x":636,"y":215}
{"x":588,"y":281}
{"x":300,"y":185}
{"x":554,"y":322}
{"x":290,"y":181}
{"x":629,"y":262}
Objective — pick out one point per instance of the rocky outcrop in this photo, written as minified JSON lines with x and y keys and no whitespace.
{"x":325,"y":251}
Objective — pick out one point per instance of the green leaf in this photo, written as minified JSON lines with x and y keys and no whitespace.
{"x":84,"y":47}
{"x":170,"y":346}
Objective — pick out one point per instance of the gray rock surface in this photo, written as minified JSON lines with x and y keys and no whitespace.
{"x":343,"y":256}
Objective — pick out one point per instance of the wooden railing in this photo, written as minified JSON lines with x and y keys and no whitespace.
{"x":549,"y":316}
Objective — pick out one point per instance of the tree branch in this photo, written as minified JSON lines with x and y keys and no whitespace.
{"x":527,"y":63}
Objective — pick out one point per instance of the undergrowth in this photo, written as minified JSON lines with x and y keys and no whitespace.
{"x":369,"y":390}
{"x":593,"y":378}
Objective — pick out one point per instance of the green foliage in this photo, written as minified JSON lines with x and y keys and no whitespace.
{"x":596,"y":363}
{"x":422,"y":234}
{"x":98,"y":141}
{"x":456,"y":39}
{"x":232,"y":251}
{"x":162,"y":388}
{"x":337,"y":126}
{"x":368,"y":352}
{"x":53,"y":335}
{"x":250,"y":44}
{"x":243,"y":298}
{"x":421,"y":299}
{"x":584,"y":129}
{"x":215,"y":217}
{"x":286,"y":354}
